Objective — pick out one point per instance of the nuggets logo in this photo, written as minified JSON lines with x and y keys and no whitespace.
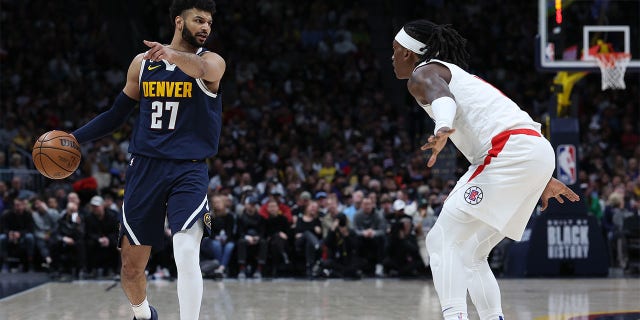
{"x":207,"y":220}
{"x":473,"y":195}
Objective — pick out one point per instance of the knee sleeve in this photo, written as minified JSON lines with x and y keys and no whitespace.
{"x":433,"y":243}
{"x":186,"y":247}
{"x":478,"y":247}
{"x":473,"y":258}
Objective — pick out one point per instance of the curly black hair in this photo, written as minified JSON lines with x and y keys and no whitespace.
{"x":441,"y":41}
{"x":178,"y":6}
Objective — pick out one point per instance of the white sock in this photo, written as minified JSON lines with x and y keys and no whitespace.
{"x":491,"y":315}
{"x":457,"y":316}
{"x":455,"y":310}
{"x":186,"y":248}
{"x":142,"y":310}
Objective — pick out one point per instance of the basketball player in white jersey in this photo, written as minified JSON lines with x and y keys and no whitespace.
{"x":511,"y":165}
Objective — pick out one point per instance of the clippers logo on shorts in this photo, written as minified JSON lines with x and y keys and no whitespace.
{"x":473,"y":195}
{"x":567,"y":173}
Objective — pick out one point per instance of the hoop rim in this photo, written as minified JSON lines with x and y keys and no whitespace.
{"x":610,"y":59}
{"x":614,"y":54}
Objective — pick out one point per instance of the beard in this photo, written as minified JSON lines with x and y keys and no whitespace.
{"x":190,"y":38}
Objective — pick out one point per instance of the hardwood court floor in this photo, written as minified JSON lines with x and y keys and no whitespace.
{"x":369,"y":299}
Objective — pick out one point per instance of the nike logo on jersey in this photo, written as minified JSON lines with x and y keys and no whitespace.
{"x":154,"y":67}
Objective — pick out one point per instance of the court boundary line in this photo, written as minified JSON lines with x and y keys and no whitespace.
{"x":24,"y":291}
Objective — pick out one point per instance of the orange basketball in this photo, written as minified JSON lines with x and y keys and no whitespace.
{"x":56,"y":154}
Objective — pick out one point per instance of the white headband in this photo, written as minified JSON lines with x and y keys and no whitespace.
{"x":410,"y":43}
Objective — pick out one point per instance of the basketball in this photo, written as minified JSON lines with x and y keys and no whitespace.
{"x":56,"y":154}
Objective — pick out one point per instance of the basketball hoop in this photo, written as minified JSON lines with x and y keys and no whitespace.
{"x":613,"y":66}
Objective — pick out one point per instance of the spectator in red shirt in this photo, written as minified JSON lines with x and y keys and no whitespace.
{"x":284,"y":208}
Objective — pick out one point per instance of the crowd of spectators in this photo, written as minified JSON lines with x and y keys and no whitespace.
{"x":319,"y":170}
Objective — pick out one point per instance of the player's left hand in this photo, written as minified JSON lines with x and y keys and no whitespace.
{"x":556,"y":189}
{"x":436,"y":144}
{"x":158,"y":51}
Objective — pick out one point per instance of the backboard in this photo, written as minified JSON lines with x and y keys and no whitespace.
{"x":571,"y":31}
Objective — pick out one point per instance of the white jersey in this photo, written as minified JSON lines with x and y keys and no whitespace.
{"x":482,"y":113}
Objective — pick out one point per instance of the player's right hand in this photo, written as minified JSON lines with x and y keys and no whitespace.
{"x":556,"y":189}
{"x":436,"y":143}
{"x":158,"y":52}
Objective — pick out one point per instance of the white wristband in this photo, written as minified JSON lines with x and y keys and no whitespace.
{"x":444,"y":111}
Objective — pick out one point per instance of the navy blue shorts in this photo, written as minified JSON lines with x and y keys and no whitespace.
{"x":160,"y":188}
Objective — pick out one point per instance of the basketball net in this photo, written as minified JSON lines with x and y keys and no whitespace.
{"x":612,"y":67}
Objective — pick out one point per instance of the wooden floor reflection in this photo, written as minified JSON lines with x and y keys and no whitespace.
{"x":369,"y":299}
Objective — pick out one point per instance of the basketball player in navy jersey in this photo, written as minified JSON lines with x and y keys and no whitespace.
{"x":511,"y":165}
{"x":178,"y":127}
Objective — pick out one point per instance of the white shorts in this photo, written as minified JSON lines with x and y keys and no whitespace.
{"x":504,"y":190}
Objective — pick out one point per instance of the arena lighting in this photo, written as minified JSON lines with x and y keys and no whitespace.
{"x":559,"y":11}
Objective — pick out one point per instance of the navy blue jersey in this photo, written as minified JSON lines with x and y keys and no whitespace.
{"x":179,"y":117}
